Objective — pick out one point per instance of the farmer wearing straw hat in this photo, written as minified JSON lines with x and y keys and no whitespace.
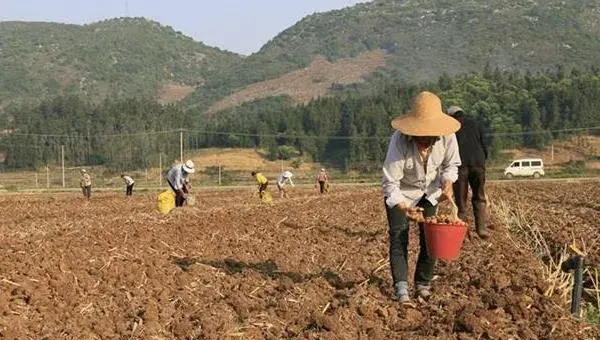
{"x":86,"y":184}
{"x":473,"y":153}
{"x":420,"y":167}
{"x":177,"y":177}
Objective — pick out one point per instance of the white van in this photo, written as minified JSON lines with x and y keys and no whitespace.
{"x":529,"y":167}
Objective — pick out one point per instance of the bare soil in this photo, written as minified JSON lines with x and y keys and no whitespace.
{"x":309,"y":267}
{"x":564,"y":212}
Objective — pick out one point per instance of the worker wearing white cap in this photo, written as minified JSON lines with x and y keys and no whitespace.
{"x":284,"y":178}
{"x":322,"y":181}
{"x":177,"y":177}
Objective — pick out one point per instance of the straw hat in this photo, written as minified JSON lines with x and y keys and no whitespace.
{"x":426,"y":118}
{"x":189,"y":166}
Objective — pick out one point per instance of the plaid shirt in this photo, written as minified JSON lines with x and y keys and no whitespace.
{"x":86,"y":180}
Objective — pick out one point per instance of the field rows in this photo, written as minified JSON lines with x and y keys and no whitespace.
{"x":230,"y":267}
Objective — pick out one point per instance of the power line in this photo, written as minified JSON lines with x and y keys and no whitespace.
{"x":541,"y":132}
{"x":125,"y":134}
{"x":283,"y":135}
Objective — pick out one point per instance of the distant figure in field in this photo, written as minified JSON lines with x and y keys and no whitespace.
{"x":86,"y":184}
{"x":473,"y":154}
{"x":283,"y":179}
{"x":262,"y":182}
{"x":323,"y":181}
{"x":177,"y":177}
{"x":129,"y":182}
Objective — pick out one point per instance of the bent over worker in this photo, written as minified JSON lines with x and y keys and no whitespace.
{"x":283,"y":179}
{"x":129,"y":182}
{"x":420,"y":167}
{"x":262,"y":182}
{"x":177,"y":177}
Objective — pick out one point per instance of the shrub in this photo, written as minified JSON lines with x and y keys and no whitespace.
{"x":296,"y":163}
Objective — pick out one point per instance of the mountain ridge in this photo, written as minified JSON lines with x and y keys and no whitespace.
{"x":426,"y":39}
{"x":120,"y":57}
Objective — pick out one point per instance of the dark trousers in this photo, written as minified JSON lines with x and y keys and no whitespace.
{"x":87,"y":191}
{"x":129,"y":190}
{"x":262,"y":188}
{"x":322,"y":186}
{"x":473,"y":176}
{"x":398,"y":232}
{"x":179,"y":198}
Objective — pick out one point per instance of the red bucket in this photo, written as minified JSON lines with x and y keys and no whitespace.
{"x":444,"y":240}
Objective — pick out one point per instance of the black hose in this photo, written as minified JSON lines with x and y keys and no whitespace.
{"x":577,"y":286}
{"x":575,"y":263}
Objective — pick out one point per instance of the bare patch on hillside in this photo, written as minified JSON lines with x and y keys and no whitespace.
{"x":576,"y":148}
{"x":67,"y":75}
{"x":308,"y":83}
{"x":173,"y":92}
{"x":240,"y":159}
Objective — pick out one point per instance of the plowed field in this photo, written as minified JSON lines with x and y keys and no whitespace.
{"x":563,"y":211}
{"x":308,"y":267}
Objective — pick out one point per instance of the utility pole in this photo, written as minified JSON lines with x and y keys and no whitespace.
{"x":160,"y":170}
{"x":181,"y":145}
{"x":62,"y":152}
{"x":47,"y":177}
{"x":219,"y":173}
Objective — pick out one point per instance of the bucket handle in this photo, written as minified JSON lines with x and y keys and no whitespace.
{"x":454,"y":208}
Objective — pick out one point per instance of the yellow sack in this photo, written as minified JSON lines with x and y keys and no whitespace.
{"x":266,"y":197}
{"x":166,"y":201}
{"x":190,"y":200}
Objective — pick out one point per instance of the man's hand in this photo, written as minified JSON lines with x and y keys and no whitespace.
{"x":447,"y":191}
{"x":412,"y":213}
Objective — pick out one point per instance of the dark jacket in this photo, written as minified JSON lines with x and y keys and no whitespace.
{"x":473,"y":151}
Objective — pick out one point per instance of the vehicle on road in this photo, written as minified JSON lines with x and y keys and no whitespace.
{"x":527,"y":167}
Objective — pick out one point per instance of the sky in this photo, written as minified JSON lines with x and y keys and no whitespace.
{"x":240,"y":26}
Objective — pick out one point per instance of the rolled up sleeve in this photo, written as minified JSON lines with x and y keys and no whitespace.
{"x":451,"y":161}
{"x":393,"y":172}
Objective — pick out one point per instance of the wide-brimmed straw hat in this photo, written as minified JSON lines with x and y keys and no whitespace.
{"x":189,"y":166}
{"x":426,"y":118}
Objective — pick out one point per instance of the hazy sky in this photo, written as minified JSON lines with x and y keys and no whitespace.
{"x":241,"y":26}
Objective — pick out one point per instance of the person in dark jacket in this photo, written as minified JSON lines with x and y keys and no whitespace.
{"x":473,"y":154}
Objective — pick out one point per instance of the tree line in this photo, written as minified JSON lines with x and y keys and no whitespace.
{"x":350,"y":129}
{"x":517,"y":110}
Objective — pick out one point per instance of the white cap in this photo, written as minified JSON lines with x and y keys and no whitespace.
{"x":287,"y":174}
{"x":189,"y":166}
{"x":453,"y":110}
{"x":83,"y":171}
